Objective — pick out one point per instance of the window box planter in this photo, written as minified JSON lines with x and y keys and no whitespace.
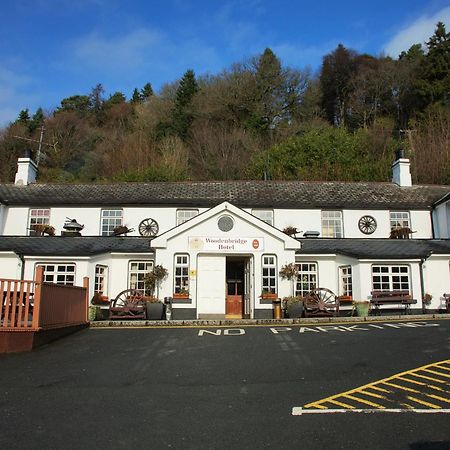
{"x":345,"y":298}
{"x":180,"y":295}
{"x":269,"y":296}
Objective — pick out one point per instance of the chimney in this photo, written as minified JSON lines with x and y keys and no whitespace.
{"x":26,"y":170}
{"x":401,"y":174}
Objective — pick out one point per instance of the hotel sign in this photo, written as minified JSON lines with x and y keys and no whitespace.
{"x":226,"y":244}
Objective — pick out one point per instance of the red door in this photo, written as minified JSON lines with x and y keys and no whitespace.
{"x":234,"y":306}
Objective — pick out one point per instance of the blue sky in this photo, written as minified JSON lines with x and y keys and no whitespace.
{"x":51,"y":49}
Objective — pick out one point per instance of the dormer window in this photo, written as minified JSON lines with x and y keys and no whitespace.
{"x":399,"y":219}
{"x":332,"y":224}
{"x":183,"y":215}
{"x":110,"y":219}
{"x":39,"y":216}
{"x":266,"y":215}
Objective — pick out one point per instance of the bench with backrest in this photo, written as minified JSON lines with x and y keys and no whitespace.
{"x":392,"y":298}
{"x":447,"y":302}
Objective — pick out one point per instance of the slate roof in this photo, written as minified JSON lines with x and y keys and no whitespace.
{"x":73,"y":246}
{"x":376,"y":248}
{"x":95,"y":245}
{"x":262,"y":194}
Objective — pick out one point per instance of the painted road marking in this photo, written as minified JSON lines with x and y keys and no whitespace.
{"x":217,"y":331}
{"x":423,"y":389}
{"x":299,"y":411}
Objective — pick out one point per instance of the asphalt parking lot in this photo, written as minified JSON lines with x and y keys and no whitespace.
{"x":217,"y":388}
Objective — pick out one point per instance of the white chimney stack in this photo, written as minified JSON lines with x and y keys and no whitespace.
{"x":26,"y":170}
{"x":401,"y":174}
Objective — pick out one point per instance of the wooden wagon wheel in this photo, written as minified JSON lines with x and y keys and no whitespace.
{"x":367,"y":224}
{"x":321,"y":300}
{"x":127,"y":297}
{"x":148,"y":227}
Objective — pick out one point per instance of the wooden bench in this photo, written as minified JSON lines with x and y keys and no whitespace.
{"x":392,"y":298}
{"x":447,"y":302}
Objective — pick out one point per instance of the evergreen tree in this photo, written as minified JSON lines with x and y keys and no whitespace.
{"x":146,"y":92}
{"x":78,"y":103}
{"x":136,"y":97}
{"x":24,"y":117}
{"x":182,"y":115}
{"x":337,"y":70}
{"x":37,"y":120}
{"x":435,"y":77}
{"x":115,"y":99}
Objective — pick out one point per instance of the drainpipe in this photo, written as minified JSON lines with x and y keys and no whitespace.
{"x":22,"y":269}
{"x":433,"y":235}
{"x":422,"y":284}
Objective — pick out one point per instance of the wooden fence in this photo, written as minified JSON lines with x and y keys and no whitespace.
{"x":34,"y":305}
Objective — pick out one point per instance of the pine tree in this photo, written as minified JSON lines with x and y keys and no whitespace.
{"x":182,"y":115}
{"x":136,"y":97}
{"x":37,"y":120}
{"x":115,"y":99}
{"x":146,"y":92}
{"x":435,"y":74}
{"x":24,"y":117}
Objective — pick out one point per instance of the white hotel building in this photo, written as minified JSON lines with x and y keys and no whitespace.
{"x":218,"y":239}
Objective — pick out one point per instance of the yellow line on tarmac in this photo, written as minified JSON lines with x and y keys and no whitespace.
{"x":426,"y":378}
{"x":371,"y":394}
{"x":385,"y":381}
{"x":436,"y":388}
{"x":437,"y":373}
{"x":344,"y":405}
{"x":443,"y":367}
{"x":436,"y":397}
{"x":421,"y":402}
{"x":351,"y":397}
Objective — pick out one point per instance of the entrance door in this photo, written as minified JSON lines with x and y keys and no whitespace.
{"x":235,"y":279}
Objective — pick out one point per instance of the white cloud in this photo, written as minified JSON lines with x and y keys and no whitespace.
{"x":12,"y":96}
{"x":122,"y":53}
{"x":416,"y":32}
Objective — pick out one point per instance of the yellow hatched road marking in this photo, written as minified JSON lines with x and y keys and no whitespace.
{"x":436,"y":388}
{"x":375,"y":405}
{"x":377,"y":388}
{"x":443,"y":367}
{"x":364,"y":390}
{"x":437,"y":373}
{"x":371,"y":394}
{"x":427,"y":378}
{"x":401,"y":387}
{"x":422,"y":402}
{"x":344,"y":405}
{"x":436,"y":397}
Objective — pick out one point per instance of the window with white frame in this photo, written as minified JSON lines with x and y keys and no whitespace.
{"x":390,"y":278}
{"x":306,"y":278}
{"x":59,"y":273}
{"x":269,"y":274}
{"x":266,"y":215}
{"x":345,"y":281}
{"x":181,"y":274}
{"x":137,"y":270}
{"x":110,"y":219}
{"x":100,"y":281}
{"x":38,"y":216}
{"x":399,"y":219}
{"x":183,"y":215}
{"x":332,"y":224}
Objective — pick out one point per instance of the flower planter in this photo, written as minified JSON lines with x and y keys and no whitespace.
{"x":362,"y":308}
{"x":295,"y":311}
{"x":269,"y":296}
{"x":180,"y":296}
{"x":155,"y":310}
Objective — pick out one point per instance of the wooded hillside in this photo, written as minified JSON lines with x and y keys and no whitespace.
{"x":257,"y":119}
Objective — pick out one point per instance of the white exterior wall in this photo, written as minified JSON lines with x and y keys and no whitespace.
{"x":441,"y":221}
{"x":436,"y":274}
{"x":10,"y":266}
{"x":16,"y":220}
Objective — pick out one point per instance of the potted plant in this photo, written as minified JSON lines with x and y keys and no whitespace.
{"x":152,"y":280}
{"x":289,"y":272}
{"x":293,"y":306}
{"x":181,"y":293}
{"x":362,"y":307}
{"x":268,"y":294}
{"x":427,"y":300}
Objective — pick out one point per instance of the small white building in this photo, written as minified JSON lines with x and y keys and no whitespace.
{"x":223,"y":242}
